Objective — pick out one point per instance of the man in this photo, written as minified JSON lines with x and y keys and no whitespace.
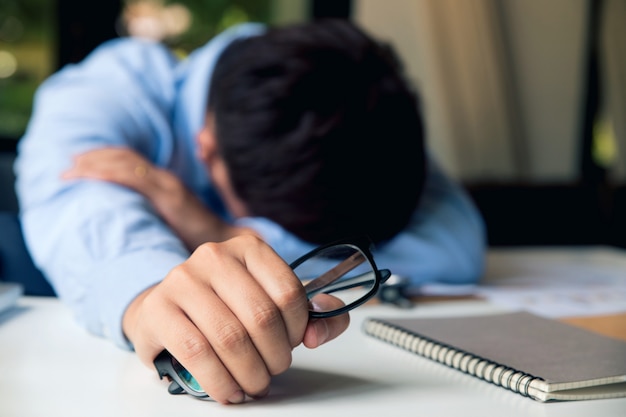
{"x":164,"y":199}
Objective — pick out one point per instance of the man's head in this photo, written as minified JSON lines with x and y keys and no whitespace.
{"x":319,"y":131}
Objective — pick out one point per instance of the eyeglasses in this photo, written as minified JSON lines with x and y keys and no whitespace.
{"x":345,"y":269}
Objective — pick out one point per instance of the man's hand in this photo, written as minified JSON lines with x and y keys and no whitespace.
{"x":231,"y":315}
{"x":193,"y":223}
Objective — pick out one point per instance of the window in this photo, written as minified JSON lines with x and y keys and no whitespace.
{"x":187,"y":24}
{"x":37,"y":37}
{"x":27,"y":45}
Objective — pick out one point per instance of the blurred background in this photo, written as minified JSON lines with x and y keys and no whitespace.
{"x":525,"y":101}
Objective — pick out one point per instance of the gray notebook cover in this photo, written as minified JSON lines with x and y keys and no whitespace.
{"x":548,"y":349}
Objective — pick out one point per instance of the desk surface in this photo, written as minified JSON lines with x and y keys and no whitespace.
{"x":50,"y":366}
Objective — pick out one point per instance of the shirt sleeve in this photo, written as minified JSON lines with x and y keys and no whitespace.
{"x":99,"y":244}
{"x":445,"y":241}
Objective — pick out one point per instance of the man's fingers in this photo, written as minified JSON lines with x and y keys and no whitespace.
{"x":194,"y":352}
{"x":169,"y":327}
{"x":228,"y":337}
{"x":281,"y":284}
{"x":115,"y":164}
{"x":265,"y":319}
{"x":320,"y":331}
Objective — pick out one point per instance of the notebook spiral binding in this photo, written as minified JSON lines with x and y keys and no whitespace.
{"x":487,"y":370}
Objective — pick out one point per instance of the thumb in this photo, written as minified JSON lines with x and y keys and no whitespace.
{"x":320,"y":331}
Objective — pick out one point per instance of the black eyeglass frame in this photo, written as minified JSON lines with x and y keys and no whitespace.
{"x":163,"y":362}
{"x":165,"y":368}
{"x":363,"y":245}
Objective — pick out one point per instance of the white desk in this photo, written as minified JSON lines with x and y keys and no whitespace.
{"x":51,"y":367}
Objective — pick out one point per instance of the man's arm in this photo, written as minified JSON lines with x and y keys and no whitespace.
{"x":99,"y":244}
{"x":178,"y":206}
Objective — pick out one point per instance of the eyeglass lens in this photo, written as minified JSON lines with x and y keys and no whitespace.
{"x":343,"y":271}
{"x":187,"y":378}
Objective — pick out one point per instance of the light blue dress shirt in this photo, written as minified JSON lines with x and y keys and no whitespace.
{"x":101,"y":244}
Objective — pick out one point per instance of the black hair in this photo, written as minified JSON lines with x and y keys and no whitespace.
{"x":319,"y":130}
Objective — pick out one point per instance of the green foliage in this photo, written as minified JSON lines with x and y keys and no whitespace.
{"x":27,"y":30}
{"x":210,"y":17}
{"x":27,"y":33}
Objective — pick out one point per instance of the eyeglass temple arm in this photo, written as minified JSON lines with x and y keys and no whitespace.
{"x":357,"y":281}
{"x":159,"y":362}
{"x":175,"y":389}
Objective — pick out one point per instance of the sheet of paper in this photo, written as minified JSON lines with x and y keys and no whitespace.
{"x":552,"y":282}
{"x":557,"y":282}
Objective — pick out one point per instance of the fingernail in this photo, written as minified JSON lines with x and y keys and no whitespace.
{"x":314,"y":306}
{"x":237,"y":398}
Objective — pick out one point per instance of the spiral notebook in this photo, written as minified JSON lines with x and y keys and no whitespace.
{"x":540,"y":358}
